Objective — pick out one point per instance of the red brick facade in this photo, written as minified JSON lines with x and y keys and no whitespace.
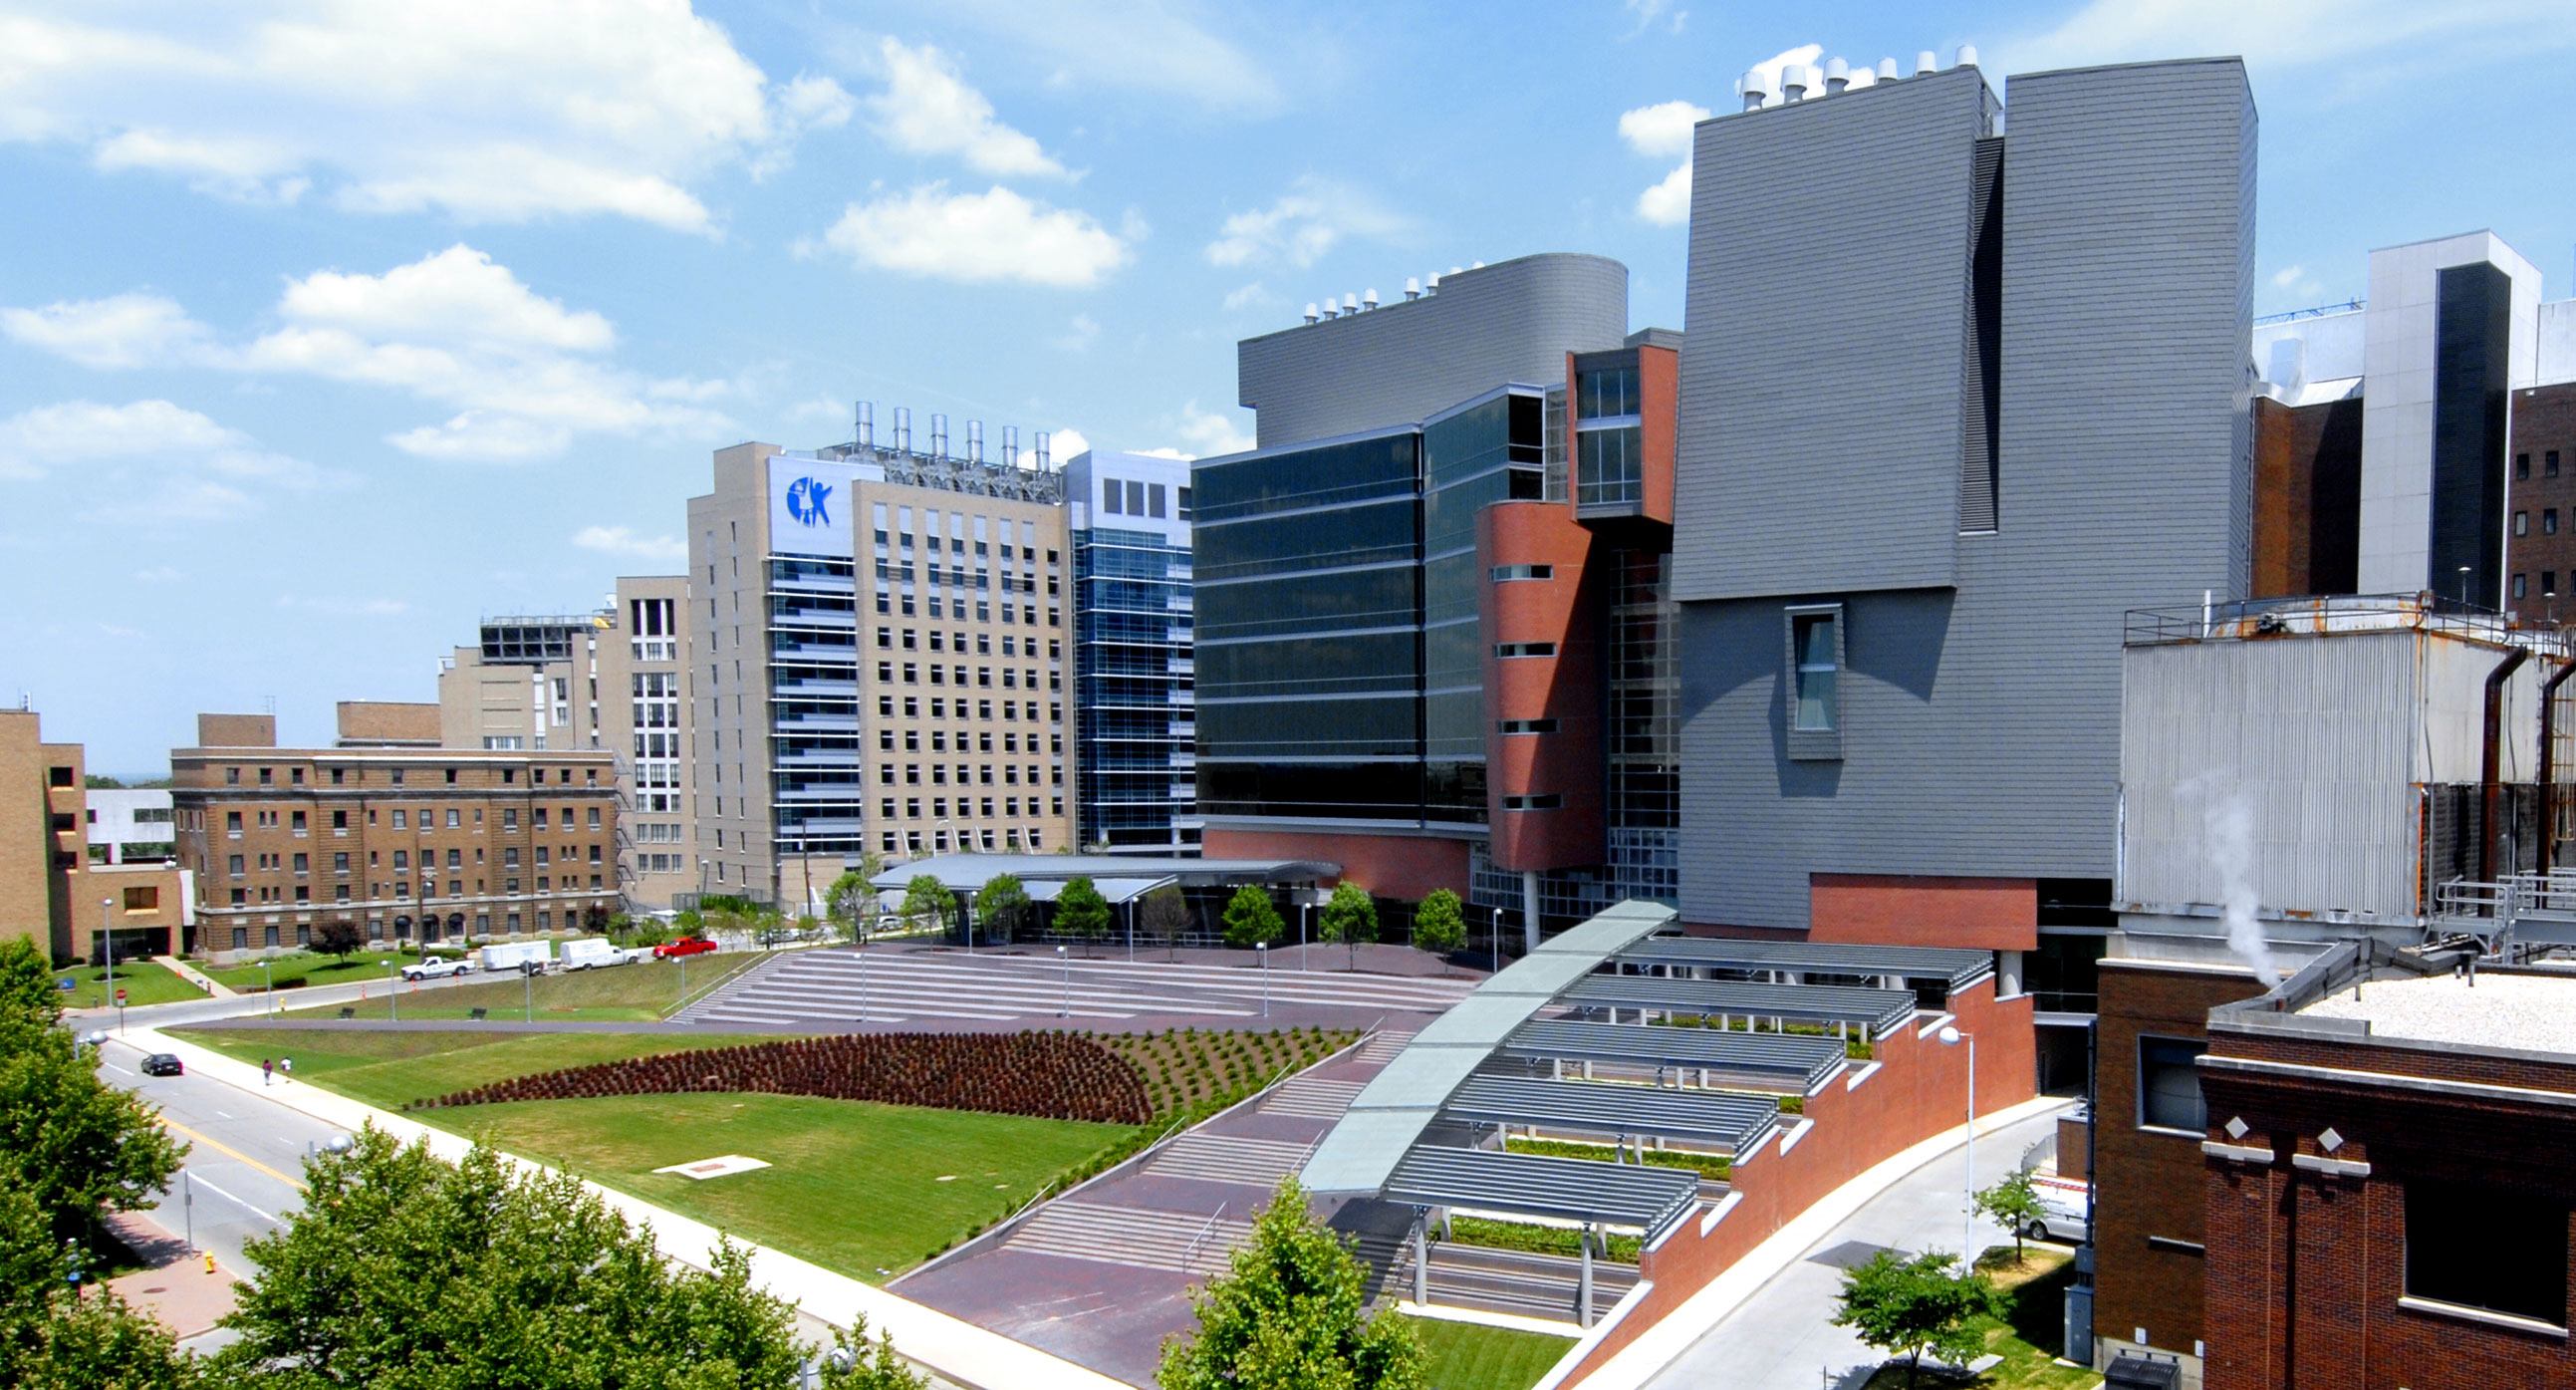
{"x":2544,"y":432}
{"x":1563,"y":611}
{"x":1392,"y":866}
{"x":1983,"y":914}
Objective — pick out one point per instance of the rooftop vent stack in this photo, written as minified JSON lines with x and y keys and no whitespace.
{"x":1370,"y":298}
{"x":903,"y":429}
{"x":1010,"y":446}
{"x":1887,"y":70}
{"x":939,"y":434}
{"x":1431,"y":283}
{"x":1757,"y":89}
{"x":1967,"y":55}
{"x":1332,"y":307}
{"x":1477,"y":266}
{"x":1924,"y":62}
{"x":1311,"y":314}
{"x":1837,"y":76}
{"x":867,"y":431}
{"x":1350,"y":302}
{"x":975,"y":440}
{"x":1412,"y":288}
{"x":1793,"y":83}
{"x":1460,"y":269}
{"x":1040,"y":449}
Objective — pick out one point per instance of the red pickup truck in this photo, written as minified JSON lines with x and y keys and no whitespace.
{"x":685,"y":946}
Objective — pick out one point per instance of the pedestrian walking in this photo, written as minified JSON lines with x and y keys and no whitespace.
{"x":267,"y":1068}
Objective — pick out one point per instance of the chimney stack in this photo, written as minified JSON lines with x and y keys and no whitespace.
{"x":1793,"y":83}
{"x":1887,"y":70}
{"x":903,"y":429}
{"x":1924,"y":62}
{"x":1837,"y":75}
{"x":867,"y":432}
{"x":939,"y":434}
{"x":975,"y":440}
{"x":1010,"y":446}
{"x":1412,"y":288}
{"x":1311,"y":314}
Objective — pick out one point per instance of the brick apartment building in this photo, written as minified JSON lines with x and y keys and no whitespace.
{"x":410,"y":843}
{"x":50,"y":891}
{"x":2540,"y":544}
{"x":2388,"y":1201}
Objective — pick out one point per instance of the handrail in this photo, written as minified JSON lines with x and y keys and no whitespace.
{"x":1205,"y":1228}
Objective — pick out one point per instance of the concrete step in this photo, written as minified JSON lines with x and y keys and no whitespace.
{"x":1227,"y":1158}
{"x":1311,"y":1098}
{"x":1177,"y":1242}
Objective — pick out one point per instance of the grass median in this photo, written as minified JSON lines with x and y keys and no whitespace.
{"x":1472,"y":1356}
{"x":643,"y":992}
{"x":143,"y":983}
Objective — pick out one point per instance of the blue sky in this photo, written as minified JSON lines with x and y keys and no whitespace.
{"x":328,"y":328}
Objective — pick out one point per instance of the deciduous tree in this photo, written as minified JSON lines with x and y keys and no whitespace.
{"x":339,"y":937}
{"x":1290,"y":1313}
{"x":27,"y":981}
{"x":926,"y":898}
{"x":1251,"y":919}
{"x":52,"y":1336}
{"x":851,"y":902}
{"x":1440,"y":924}
{"x":1907,"y":1306}
{"x":1080,"y":910}
{"x":1349,"y":917}
{"x":2013,"y":1203}
{"x":80,"y":1147}
{"x":1167,"y":915}
{"x":1004,"y":904}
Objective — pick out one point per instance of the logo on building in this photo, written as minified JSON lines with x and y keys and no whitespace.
{"x":808,"y":501}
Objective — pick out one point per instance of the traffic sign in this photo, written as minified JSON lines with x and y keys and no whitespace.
{"x":120,"y":996}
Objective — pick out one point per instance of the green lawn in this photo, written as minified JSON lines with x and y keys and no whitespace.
{"x":388,"y":1069}
{"x":638,"y":993}
{"x":314,"y":967}
{"x":143,"y":983}
{"x":1470,"y":1356}
{"x":2032,"y":1332}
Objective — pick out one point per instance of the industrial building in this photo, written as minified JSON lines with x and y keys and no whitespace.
{"x":1134,"y":659}
{"x":881,"y":633}
{"x":613,"y":679}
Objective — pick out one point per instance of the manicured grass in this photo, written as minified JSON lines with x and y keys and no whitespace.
{"x":2032,"y":1332}
{"x":638,"y":993}
{"x":312,"y":967}
{"x":389,"y":1070}
{"x":869,"y":1190}
{"x":1470,"y":1356}
{"x":143,"y":983}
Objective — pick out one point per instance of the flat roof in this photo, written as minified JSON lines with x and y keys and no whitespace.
{"x":1879,"y":1010}
{"x":968,"y":873}
{"x":1565,"y":1189}
{"x":1729,"y":1120}
{"x":2525,"y":1013}
{"x":1791,"y":1060}
{"x":1955,"y":967}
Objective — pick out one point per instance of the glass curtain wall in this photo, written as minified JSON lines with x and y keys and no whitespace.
{"x":1133,"y":684}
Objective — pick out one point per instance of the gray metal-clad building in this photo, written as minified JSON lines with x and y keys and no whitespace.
{"x":1951,"y":402}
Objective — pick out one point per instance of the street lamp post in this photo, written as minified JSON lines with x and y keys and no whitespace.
{"x":1498,"y":940}
{"x":528,"y":986}
{"x":107,"y":950}
{"x":1952,"y":1037}
{"x":1264,"y":948}
{"x":267,"y":988}
{"x":1065,"y":1009}
{"x":2464,"y":586}
{"x":1303,"y":910}
{"x":393,"y":989}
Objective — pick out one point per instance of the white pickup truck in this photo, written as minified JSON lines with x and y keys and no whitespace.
{"x":437,"y":969}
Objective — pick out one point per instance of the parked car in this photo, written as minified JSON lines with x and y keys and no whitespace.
{"x":685,"y":946}
{"x":437,"y":969}
{"x":162,"y":1064}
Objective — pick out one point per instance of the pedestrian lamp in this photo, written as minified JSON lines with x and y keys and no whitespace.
{"x":1952,"y":1037}
{"x":1498,"y":940}
{"x":393,"y":989}
{"x":267,"y":988}
{"x":1264,"y":948}
{"x":1302,"y":910}
{"x":107,"y":949}
{"x":1065,"y":1010}
{"x":528,"y":985}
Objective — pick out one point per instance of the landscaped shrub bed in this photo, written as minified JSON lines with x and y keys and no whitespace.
{"x":1856,"y":1046}
{"x":1536,"y":1240}
{"x":1048,"y":1075}
{"x":1713,"y":1166}
{"x":1193,"y":1069}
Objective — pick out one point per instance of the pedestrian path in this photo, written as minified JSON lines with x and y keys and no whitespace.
{"x":838,"y":987}
{"x":214,"y":988}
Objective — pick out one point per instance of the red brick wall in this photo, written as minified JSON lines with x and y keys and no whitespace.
{"x":1986,"y":914}
{"x":2147,"y":1182}
{"x":1394,"y":866}
{"x":2305,"y":1269}
{"x":1562,"y":609}
{"x":1658,"y":426}
{"x":2544,"y":418}
{"x":1919,"y":1091}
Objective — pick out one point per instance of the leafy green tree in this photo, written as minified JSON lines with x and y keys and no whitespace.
{"x":855,"y":1363}
{"x":1349,"y":917}
{"x":1440,"y":924}
{"x":27,"y":981}
{"x":403,"y":1270}
{"x":339,"y":938}
{"x":926,"y":897}
{"x":1908,"y":1306}
{"x":53,"y":1337}
{"x":1081,"y":911}
{"x":851,"y":902}
{"x":689,"y":922}
{"x":1251,"y":919}
{"x":1291,"y":1312}
{"x":2014,"y":1204}
{"x":1003,"y":904}
{"x":1167,"y":914}
{"x":80,"y":1146}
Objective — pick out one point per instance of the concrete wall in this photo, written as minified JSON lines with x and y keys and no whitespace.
{"x":1510,"y":321}
{"x":388,"y":721}
{"x":728,"y":540}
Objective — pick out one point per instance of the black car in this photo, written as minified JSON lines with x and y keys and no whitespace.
{"x":162,"y":1064}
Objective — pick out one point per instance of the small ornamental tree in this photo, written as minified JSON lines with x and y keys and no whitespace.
{"x":851,"y":903}
{"x":1080,"y":911}
{"x":2014,"y":1204}
{"x":689,"y":922}
{"x":1004,"y":904}
{"x":1440,"y":924}
{"x":1349,"y":917}
{"x":1251,"y":919}
{"x":1908,"y":1306}
{"x":1291,"y":1312}
{"x":1167,"y":915}
{"x":927,"y":899}
{"x":338,"y":938}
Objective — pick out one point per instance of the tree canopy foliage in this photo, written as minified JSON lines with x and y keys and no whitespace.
{"x":1291,"y":1313}
{"x":927,"y":899}
{"x":1003,"y":904}
{"x":1349,"y":917}
{"x":1906,"y":1306}
{"x":1251,"y":919}
{"x":1440,"y":924}
{"x":1080,"y":910}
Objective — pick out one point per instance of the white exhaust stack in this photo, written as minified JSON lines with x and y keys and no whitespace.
{"x":1887,"y":70}
{"x":1967,"y":55}
{"x":1924,"y":62}
{"x":1010,"y":446}
{"x":1311,"y":314}
{"x":1370,"y":298}
{"x":1412,"y":288}
{"x":1793,"y":83}
{"x":1350,"y":302}
{"x":975,"y":441}
{"x":1837,"y":75}
{"x":1757,"y":89}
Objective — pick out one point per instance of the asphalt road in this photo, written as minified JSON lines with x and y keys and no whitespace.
{"x":1783,"y":1335}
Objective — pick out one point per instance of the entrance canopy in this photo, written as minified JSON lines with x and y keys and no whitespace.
{"x":1119,"y":877}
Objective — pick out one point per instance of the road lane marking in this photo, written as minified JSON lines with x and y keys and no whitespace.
{"x":199,"y":1181}
{"x":226,"y":1149}
{"x":111,"y":1066}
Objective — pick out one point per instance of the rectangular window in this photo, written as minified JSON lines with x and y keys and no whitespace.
{"x":1504,"y":574}
{"x":1135,"y":497}
{"x":2549,"y":521}
{"x":1154,"y":499}
{"x":2549,"y":464}
{"x":1508,"y":650}
{"x":1526,"y":726}
{"x":2488,"y":1248}
{"x":2521,"y":467}
{"x":1815,"y":642}
{"x":2549,"y":583}
{"x":2169,"y":1085}
{"x":1110,"y":497}
{"x":2517,"y":585}
{"x":2522,"y":523}
{"x":1542,"y":801}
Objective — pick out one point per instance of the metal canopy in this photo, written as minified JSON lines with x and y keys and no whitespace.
{"x":1726,"y":1119}
{"x":1112,"y":890}
{"x":1563,"y":1189}
{"x":1955,"y":968}
{"x":1801,"y":1062}
{"x":1879,"y":1009}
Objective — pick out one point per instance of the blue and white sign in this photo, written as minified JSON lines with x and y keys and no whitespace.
{"x":809,"y":507}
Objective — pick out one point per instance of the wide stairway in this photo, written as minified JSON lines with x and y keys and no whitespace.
{"x":1498,"y":1281}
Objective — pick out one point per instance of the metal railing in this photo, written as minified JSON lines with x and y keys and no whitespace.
{"x":2312,"y":615}
{"x":1190,"y":1255}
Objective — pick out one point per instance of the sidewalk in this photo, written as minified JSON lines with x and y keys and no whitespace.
{"x":186,"y":1293}
{"x":956,"y":1349}
{"x":214,"y":988}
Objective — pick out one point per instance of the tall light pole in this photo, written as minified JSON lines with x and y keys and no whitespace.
{"x":1952,"y":1037}
{"x":107,"y":949}
{"x":1498,"y":940}
{"x":1264,"y":948}
{"x":267,"y":988}
{"x":1065,"y":1009}
{"x":2464,"y":586}
{"x":393,"y":989}
{"x":1302,"y":910}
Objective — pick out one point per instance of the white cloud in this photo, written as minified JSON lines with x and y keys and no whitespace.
{"x":1166,"y":452}
{"x":822,"y":408}
{"x":1667,"y":203}
{"x":125,"y":330}
{"x":1663,"y":129}
{"x":927,"y":109}
{"x":1067,"y":444}
{"x":1252,"y":296}
{"x":184,"y":441}
{"x":978,"y":238}
{"x":492,"y":112}
{"x":1156,"y":47}
{"x":519,"y":375}
{"x":1213,"y":431}
{"x":2279,"y":36}
{"x":1649,"y":14}
{"x":622,"y":540}
{"x":1308,"y":221}
{"x":343,"y":605}
{"x":117,"y":630}
{"x":1079,"y":334}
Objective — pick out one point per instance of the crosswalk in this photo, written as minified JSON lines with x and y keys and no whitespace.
{"x":880,"y":986}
